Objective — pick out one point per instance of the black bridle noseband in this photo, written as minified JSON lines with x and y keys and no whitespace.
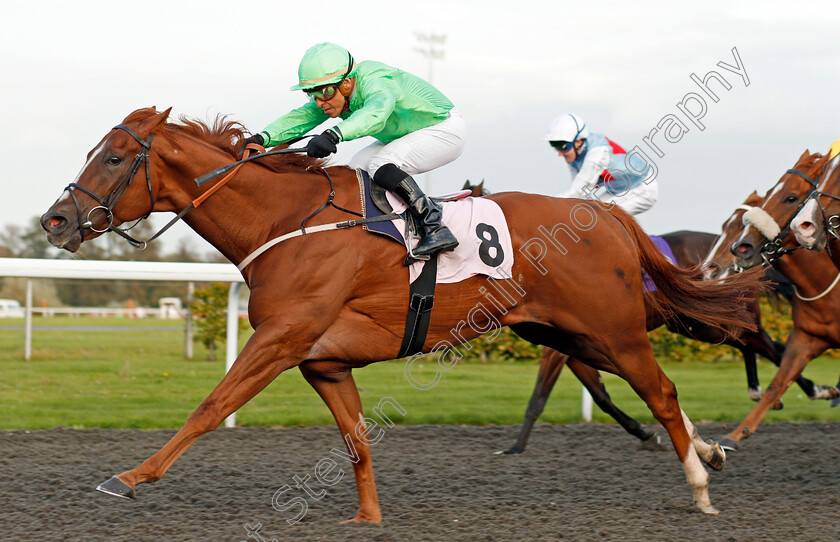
{"x":831,"y":223}
{"x":108,"y":203}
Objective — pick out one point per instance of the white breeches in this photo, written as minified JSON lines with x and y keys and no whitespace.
{"x":635,"y":201}
{"x":418,"y":152}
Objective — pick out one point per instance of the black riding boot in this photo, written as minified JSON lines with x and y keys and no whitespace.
{"x":436,"y":236}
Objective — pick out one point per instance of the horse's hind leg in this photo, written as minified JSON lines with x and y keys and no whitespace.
{"x":593,"y":382}
{"x":337,"y":388}
{"x":709,"y":451}
{"x":637,"y":365}
{"x":754,"y":389}
{"x":551,"y":364}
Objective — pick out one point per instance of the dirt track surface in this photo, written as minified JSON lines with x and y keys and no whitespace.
{"x":575,"y":482}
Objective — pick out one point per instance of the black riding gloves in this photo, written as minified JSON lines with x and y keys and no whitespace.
{"x":256,"y":138}
{"x":322,"y":145}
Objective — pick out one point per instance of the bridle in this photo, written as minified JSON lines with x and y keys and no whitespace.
{"x":772,"y":249}
{"x":832,"y":223}
{"x":108,"y":203}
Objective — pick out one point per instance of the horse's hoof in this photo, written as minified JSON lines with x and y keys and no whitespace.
{"x":510,"y":451}
{"x":728,"y":444}
{"x":117,"y":488}
{"x":709,"y":510}
{"x":826,"y":392}
{"x":652,"y":444}
{"x":778,"y":405}
{"x":835,"y":402}
{"x":366,"y":517}
{"x":718,"y":457}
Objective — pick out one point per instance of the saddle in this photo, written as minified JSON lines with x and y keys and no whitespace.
{"x":375,"y":203}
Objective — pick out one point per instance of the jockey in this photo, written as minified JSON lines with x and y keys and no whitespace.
{"x":599,"y":167}
{"x":416,"y":128}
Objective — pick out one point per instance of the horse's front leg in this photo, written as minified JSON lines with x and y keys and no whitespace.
{"x":334,"y":383}
{"x":800,"y":349}
{"x":265,"y":356}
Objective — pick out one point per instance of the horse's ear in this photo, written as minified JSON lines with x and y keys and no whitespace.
{"x":162,"y":116}
{"x":466,"y":185}
{"x":154,"y":121}
{"x":752,"y":198}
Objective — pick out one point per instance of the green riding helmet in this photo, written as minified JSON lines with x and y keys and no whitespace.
{"x":323,"y":64}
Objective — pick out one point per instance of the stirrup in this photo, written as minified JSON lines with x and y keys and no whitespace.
{"x":411,"y":257}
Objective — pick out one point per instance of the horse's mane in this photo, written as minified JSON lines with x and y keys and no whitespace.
{"x":225,"y":135}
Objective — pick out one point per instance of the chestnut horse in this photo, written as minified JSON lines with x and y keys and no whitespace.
{"x":328,"y":302}
{"x":815,"y":226}
{"x":689,"y":249}
{"x":815,"y":303}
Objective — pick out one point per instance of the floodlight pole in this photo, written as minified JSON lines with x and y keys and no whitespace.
{"x":431,"y":47}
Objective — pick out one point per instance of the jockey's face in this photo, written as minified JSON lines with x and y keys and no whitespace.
{"x":571,"y":153}
{"x":334,"y":105}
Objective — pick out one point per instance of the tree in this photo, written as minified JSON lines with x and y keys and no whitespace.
{"x":209,"y":308}
{"x":43,"y":291}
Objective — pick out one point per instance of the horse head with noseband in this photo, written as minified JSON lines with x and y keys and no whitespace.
{"x":720,"y":261}
{"x":818,"y":222}
{"x":767,"y":235}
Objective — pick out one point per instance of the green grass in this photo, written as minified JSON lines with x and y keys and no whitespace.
{"x":139,"y":379}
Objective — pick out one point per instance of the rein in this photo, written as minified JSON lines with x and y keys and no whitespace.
{"x":820,"y":296}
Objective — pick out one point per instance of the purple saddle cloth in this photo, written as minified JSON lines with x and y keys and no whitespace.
{"x":666,"y":251}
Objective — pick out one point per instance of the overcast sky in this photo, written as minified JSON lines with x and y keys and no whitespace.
{"x":72,"y":70}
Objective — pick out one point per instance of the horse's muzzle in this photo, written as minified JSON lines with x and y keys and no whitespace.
{"x":745,"y":253}
{"x":61,"y":231}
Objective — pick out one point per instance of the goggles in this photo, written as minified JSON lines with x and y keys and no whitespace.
{"x":325,"y":92}
{"x":562,"y":146}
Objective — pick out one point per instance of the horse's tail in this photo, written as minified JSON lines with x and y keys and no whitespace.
{"x":683,"y":292}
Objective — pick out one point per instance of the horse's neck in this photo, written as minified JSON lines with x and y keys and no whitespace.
{"x":255,"y":205}
{"x":811,"y":272}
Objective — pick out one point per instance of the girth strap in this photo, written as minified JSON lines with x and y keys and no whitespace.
{"x":421,"y":300}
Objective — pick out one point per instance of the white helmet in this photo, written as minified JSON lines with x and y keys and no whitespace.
{"x":568,"y":127}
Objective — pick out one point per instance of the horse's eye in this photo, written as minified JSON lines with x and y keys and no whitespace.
{"x":115,"y":160}
{"x":791,"y":199}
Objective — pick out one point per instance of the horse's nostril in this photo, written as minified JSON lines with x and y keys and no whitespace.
{"x":53,"y":223}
